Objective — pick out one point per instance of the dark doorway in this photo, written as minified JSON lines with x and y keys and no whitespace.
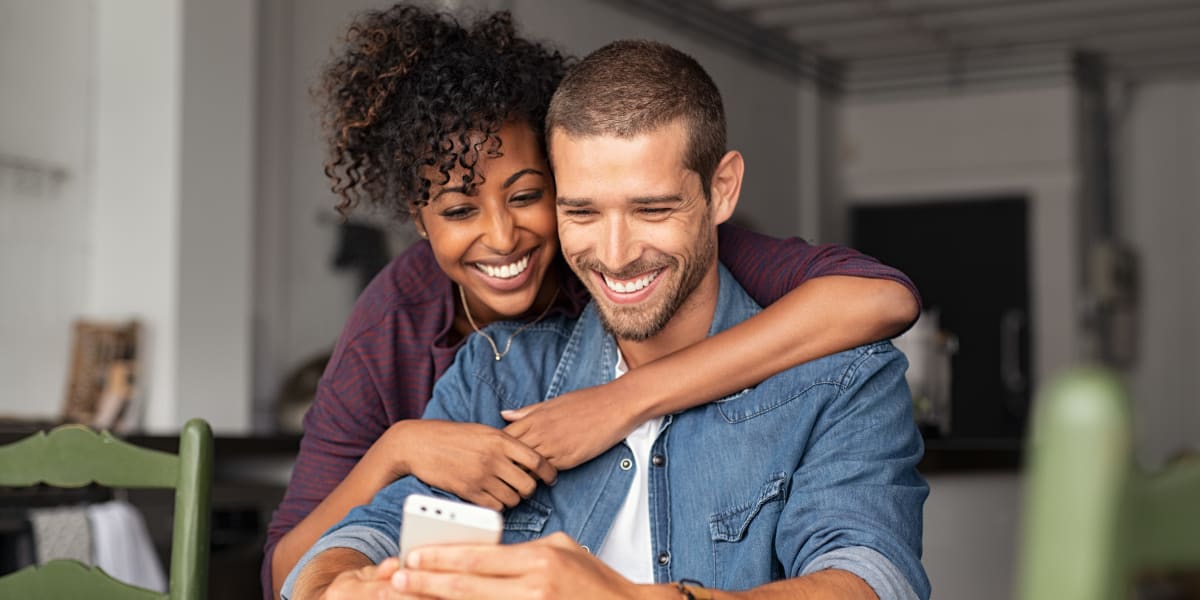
{"x":970,"y":260}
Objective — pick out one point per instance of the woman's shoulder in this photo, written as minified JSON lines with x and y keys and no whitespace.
{"x":410,"y":289}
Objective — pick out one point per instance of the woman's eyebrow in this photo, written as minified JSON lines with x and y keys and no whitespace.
{"x":447,"y":190}
{"x":519,"y":174}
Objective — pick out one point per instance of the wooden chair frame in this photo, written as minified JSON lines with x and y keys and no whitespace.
{"x":74,"y":456}
{"x":1093,"y":520}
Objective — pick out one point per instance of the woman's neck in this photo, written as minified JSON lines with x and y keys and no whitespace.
{"x":547,"y":295}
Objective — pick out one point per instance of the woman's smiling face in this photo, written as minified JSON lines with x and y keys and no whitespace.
{"x":499,"y":239}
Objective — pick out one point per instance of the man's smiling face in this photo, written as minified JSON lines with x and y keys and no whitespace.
{"x":633,"y":224}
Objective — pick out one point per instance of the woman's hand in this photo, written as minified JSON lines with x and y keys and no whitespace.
{"x":477,"y":463}
{"x":575,"y":427}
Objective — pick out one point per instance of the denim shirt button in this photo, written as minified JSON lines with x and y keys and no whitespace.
{"x":626,"y":464}
{"x":664,"y":558}
{"x":658,"y":460}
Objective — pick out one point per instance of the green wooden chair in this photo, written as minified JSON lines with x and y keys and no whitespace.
{"x":1093,"y":520}
{"x":73,"y":456}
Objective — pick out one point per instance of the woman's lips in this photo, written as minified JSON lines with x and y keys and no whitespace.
{"x":506,"y":277}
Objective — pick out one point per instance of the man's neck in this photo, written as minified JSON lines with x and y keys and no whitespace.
{"x":690,"y":324}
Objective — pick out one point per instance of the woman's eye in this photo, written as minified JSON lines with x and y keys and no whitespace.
{"x":458,"y":212}
{"x":525,"y":198}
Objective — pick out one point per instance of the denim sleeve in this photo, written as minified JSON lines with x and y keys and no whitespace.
{"x":374,"y":529}
{"x":857,"y":485}
{"x":884,"y":578}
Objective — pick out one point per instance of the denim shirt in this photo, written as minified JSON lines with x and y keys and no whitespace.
{"x":814,"y":468}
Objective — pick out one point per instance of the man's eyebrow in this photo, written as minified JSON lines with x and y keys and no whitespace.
{"x":519,"y":174}
{"x":670,"y":198}
{"x":573,"y":202}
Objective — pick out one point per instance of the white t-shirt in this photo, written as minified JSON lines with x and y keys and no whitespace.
{"x":627,"y":547}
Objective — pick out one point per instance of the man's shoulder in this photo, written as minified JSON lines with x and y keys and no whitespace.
{"x":844,"y":368}
{"x":837,"y":372}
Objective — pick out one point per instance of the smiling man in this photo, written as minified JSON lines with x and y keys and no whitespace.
{"x":804,"y":486}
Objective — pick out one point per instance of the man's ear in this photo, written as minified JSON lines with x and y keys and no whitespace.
{"x":726,"y":186}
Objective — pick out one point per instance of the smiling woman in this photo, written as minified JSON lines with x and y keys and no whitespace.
{"x":497,"y":239}
{"x":442,"y":124}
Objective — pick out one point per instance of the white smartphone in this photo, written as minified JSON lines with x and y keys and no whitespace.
{"x":429,"y":520}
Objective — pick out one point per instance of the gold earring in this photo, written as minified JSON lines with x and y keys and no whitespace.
{"x":421,"y":232}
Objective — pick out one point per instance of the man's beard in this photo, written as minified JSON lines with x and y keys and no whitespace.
{"x":642,"y":321}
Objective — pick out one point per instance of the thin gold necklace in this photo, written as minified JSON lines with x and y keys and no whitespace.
{"x":508,"y":345}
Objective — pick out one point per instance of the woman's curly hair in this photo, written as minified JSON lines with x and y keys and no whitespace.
{"x":407,"y":90}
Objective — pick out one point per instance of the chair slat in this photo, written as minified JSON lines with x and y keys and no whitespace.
{"x":48,"y":581}
{"x":74,"y":456}
{"x":1165,"y":528}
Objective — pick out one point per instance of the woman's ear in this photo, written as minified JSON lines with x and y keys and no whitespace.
{"x":726,"y":186}
{"x":415,"y":215}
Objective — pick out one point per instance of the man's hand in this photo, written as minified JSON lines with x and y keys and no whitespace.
{"x":551,"y":567}
{"x":477,"y":463}
{"x":368,"y":582}
{"x":575,"y":427}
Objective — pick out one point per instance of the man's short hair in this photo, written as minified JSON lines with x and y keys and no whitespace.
{"x":632,"y":87}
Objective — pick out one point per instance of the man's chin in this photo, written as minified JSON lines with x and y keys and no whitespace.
{"x":637,"y":327}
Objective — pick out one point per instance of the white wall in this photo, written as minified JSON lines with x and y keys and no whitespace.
{"x":135,"y":119}
{"x":44,"y":241}
{"x":314,"y":300}
{"x":979,"y":145}
{"x":1161,"y":192}
{"x":148,"y":105}
{"x":216,"y":221}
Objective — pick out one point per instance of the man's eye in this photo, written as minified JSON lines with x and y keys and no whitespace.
{"x":578,"y":212}
{"x":526,"y":198}
{"x":655,"y":212}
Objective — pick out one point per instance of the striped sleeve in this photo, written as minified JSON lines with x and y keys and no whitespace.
{"x":768,"y":268}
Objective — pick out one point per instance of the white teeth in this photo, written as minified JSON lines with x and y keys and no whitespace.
{"x":628,"y":287}
{"x":505,"y":271}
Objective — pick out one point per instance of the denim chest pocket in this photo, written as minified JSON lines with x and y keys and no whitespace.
{"x":526,"y":521}
{"x":743,"y":536}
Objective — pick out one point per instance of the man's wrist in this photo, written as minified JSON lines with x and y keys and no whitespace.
{"x":660,"y":591}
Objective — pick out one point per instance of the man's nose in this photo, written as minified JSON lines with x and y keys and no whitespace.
{"x":617,"y":249}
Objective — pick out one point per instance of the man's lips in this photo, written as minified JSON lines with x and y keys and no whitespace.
{"x":631,"y":290}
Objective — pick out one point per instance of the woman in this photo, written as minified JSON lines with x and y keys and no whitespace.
{"x":442,"y":125}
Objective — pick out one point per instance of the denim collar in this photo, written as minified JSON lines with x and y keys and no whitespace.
{"x":590,"y":356}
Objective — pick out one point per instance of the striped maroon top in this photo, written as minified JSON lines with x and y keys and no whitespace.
{"x":398,"y":341}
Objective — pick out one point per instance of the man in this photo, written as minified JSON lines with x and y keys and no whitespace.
{"x":804,"y":486}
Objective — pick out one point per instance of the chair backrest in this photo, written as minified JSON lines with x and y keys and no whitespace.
{"x":1093,"y":520}
{"x":73,"y":456}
